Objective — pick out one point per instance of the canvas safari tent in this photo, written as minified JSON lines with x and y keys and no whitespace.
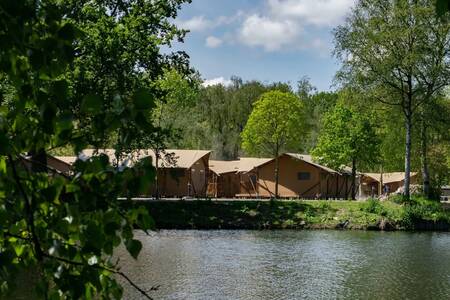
{"x":299,"y":177}
{"x":223,"y":179}
{"x":375,"y":184}
{"x":180,"y":172}
{"x":248,"y":176}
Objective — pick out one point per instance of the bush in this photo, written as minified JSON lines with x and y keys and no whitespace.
{"x":399,"y":199}
{"x":374,"y":206}
{"x":420,"y":209}
{"x":324,"y":206}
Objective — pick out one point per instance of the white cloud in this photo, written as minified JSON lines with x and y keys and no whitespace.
{"x":197,"y":23}
{"x":213,"y":42}
{"x":268,"y":33}
{"x":292,"y":24}
{"x":318,"y":12}
{"x":216,"y":81}
{"x":200,"y":23}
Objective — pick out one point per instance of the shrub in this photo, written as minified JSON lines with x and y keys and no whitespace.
{"x":374,"y":206}
{"x":419,"y":209}
{"x":324,"y":206}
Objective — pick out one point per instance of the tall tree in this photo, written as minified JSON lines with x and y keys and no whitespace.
{"x":276,"y":124}
{"x":57,"y":91}
{"x":433,"y":131}
{"x":347,"y":138}
{"x":398,"y":52}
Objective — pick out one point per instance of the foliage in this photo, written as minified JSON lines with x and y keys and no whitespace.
{"x":374,"y":206}
{"x":346,"y":136}
{"x":397,"y":53}
{"x":276,"y":124}
{"x":75,"y":73}
{"x":215,"y":116}
{"x":316,"y":106}
{"x":421,"y":209}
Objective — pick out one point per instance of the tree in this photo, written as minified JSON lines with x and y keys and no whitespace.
{"x":57,"y":91}
{"x":396,"y":51}
{"x":215,"y":116}
{"x":347,"y":137}
{"x":433,"y":133}
{"x":276,"y":124}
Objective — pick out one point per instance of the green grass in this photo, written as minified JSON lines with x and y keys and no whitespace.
{"x":295,"y":214}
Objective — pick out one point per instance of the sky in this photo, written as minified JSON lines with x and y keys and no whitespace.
{"x":265,"y":40}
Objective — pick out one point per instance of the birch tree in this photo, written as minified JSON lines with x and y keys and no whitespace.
{"x":398,"y":52}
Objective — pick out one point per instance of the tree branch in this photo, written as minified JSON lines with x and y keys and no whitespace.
{"x":100,"y":267}
{"x":30,"y":216}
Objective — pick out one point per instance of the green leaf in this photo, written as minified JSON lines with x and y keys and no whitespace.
{"x":91,"y":104}
{"x":19,"y":248}
{"x":2,"y":165}
{"x":145,"y":221}
{"x":133,"y":247}
{"x":143,"y":99}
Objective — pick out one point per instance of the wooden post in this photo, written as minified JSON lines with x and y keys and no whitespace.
{"x":337,"y":186}
{"x":328,"y":177}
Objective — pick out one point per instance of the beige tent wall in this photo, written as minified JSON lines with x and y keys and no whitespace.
{"x":335,"y":185}
{"x":225,"y":185}
{"x":199,"y":176}
{"x":289,"y":184}
{"x":246,"y":186}
{"x":180,"y":182}
{"x":320,"y":185}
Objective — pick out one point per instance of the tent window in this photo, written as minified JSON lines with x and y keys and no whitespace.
{"x":303,"y":176}
{"x":253,"y":179}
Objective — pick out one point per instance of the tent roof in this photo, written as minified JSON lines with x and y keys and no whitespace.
{"x":66,"y":159}
{"x":170,"y":158}
{"x":224,"y":166}
{"x":308,"y":159}
{"x":246,"y":164}
{"x":388,"y":177}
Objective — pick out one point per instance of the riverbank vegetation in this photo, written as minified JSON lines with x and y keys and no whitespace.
{"x":394,"y":214}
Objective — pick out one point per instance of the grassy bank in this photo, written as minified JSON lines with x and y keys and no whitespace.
{"x":314,"y":214}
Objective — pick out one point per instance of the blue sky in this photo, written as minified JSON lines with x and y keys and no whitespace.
{"x":267,"y":40}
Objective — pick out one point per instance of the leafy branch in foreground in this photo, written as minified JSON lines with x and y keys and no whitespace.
{"x":74,"y":74}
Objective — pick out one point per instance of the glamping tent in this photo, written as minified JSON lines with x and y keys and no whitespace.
{"x":180,"y":172}
{"x":374,"y":184}
{"x":299,"y":177}
{"x":223,"y":178}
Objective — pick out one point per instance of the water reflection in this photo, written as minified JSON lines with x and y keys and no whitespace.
{"x":292,"y":265}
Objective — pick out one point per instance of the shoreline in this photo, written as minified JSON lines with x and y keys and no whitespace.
{"x":294,"y":214}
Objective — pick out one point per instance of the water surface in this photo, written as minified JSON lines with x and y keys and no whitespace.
{"x":285,"y":264}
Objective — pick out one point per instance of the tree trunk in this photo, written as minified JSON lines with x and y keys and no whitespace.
{"x":380,"y":188}
{"x":354,"y":179}
{"x":156,"y":177}
{"x":408,"y":125}
{"x":424,"y":160}
{"x":276,"y":176}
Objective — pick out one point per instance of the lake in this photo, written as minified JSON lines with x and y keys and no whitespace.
{"x":242,"y":264}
